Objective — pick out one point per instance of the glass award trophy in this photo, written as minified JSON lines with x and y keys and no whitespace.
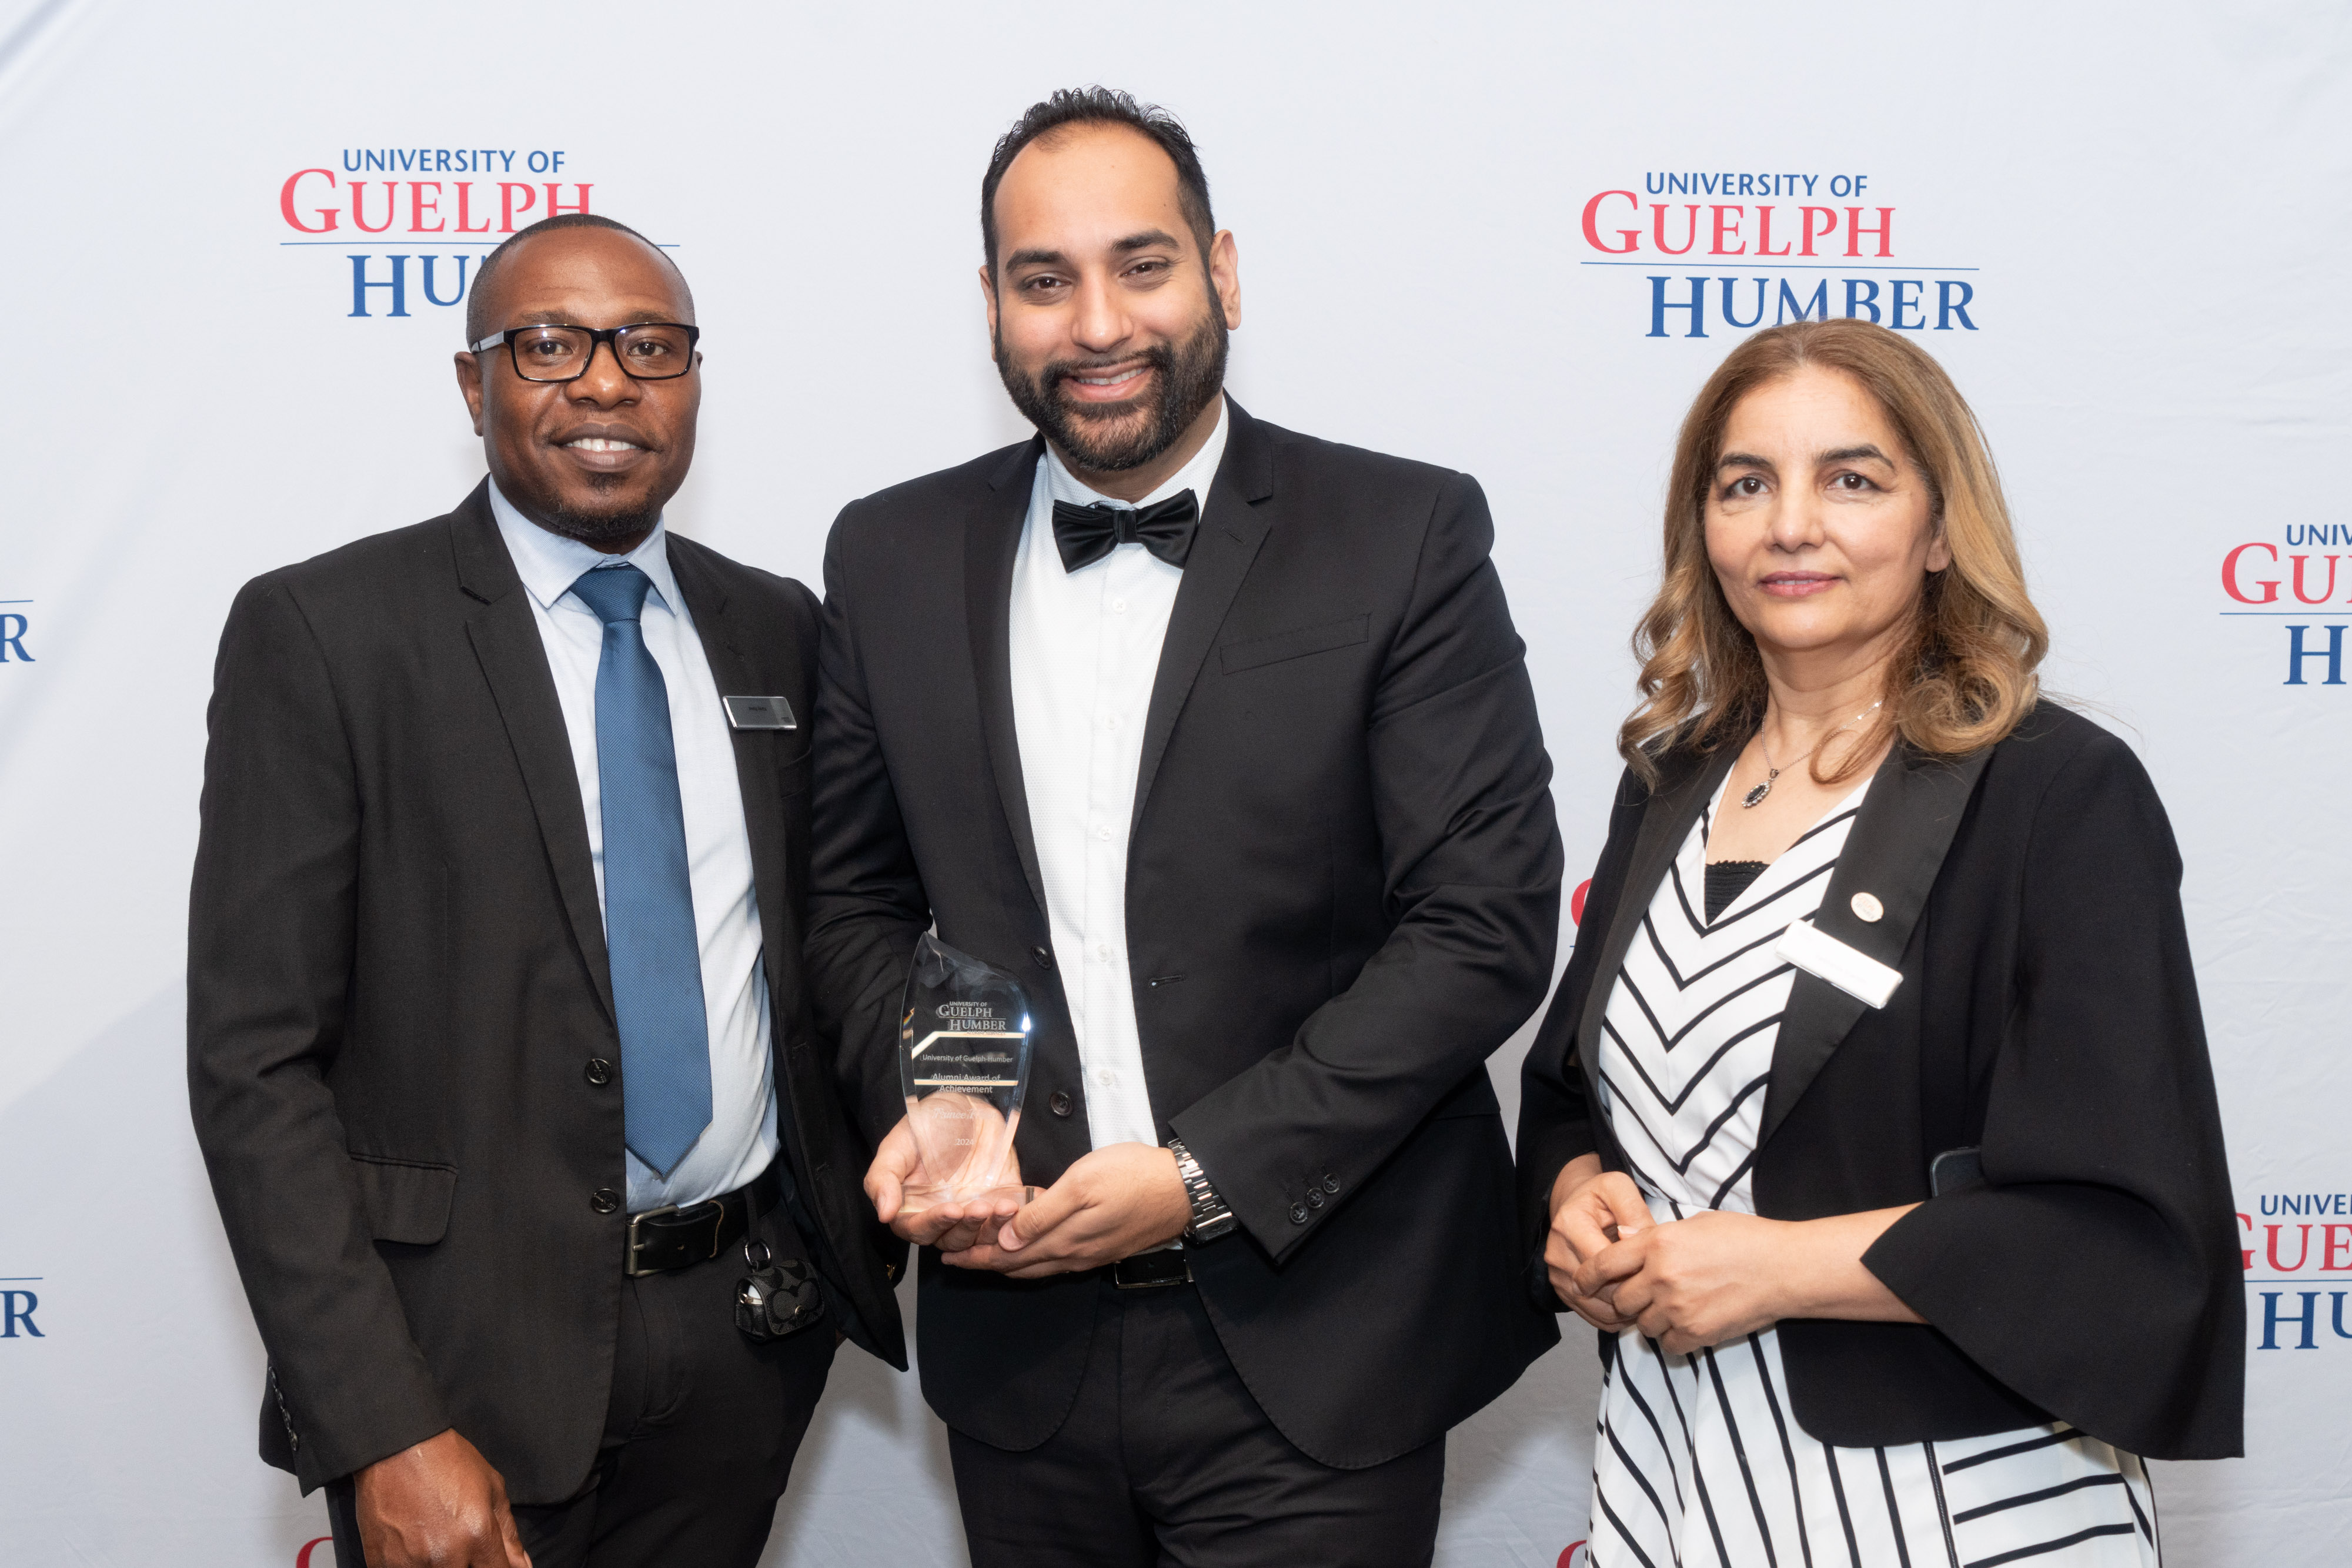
{"x":963,"y":1062}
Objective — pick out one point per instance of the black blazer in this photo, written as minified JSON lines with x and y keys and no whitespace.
{"x":2047,"y":1015}
{"x":1342,"y":889}
{"x":396,"y":976}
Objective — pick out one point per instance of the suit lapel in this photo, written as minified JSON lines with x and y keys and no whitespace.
{"x":514,"y":661}
{"x":733,"y":671}
{"x":1666,"y":823}
{"x":992,"y":540}
{"x":1892,"y":852}
{"x":1233,"y":525}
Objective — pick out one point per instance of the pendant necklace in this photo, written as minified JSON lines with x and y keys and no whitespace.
{"x":1755,"y":797}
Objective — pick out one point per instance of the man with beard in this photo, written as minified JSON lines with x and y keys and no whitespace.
{"x":498,"y":1037}
{"x":1220,"y":738}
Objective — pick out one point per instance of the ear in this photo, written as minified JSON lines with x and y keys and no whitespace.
{"x":1939,"y":550}
{"x":469,"y":384}
{"x":1225,"y":276}
{"x":988,"y":300}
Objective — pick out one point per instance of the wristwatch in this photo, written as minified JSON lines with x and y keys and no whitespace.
{"x":1211,"y":1217}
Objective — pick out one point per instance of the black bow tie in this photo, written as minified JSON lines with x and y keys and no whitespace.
{"x":1086,"y":534}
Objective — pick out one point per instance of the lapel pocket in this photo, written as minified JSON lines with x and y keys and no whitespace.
{"x":1296,"y":643}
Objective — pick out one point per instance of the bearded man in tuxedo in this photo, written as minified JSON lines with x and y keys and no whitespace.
{"x":1220,"y":737}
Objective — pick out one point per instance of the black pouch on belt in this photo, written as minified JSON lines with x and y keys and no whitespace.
{"x":778,"y":1297}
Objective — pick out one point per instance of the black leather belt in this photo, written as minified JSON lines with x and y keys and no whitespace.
{"x":672,"y":1237}
{"x":1148,"y":1270}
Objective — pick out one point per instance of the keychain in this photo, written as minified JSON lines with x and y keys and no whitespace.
{"x":779,"y":1297}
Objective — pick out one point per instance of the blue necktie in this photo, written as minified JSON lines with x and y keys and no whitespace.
{"x":648,"y":898}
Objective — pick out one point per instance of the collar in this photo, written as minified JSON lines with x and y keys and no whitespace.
{"x":1195,"y":475}
{"x":549,"y":563}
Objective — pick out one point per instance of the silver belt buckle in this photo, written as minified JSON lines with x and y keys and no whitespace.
{"x":717,"y":1219}
{"x":1183,"y":1275}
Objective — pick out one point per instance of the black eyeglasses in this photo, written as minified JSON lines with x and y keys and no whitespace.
{"x":646,"y":350}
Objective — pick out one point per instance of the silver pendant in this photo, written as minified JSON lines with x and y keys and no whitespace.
{"x":1755,"y":797}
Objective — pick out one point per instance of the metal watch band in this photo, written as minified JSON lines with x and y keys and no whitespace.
{"x":1211,"y":1217}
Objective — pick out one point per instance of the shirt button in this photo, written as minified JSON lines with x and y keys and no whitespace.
{"x":1061,"y":1104}
{"x":600,"y":1071}
{"x":1111,"y":723}
{"x":604,"y":1200}
{"x":1102,"y":951}
{"x":1042,"y":956}
{"x":1297,"y":1214}
{"x":1106,"y":1078}
{"x":1119,"y":606}
{"x":1103,"y":834}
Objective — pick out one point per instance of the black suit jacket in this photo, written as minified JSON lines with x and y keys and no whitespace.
{"x":396,"y":976}
{"x":2048,"y":1016}
{"x":1342,"y":889}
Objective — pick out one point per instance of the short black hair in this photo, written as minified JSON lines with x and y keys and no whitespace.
{"x":1100,"y":106}
{"x":478,"y":325}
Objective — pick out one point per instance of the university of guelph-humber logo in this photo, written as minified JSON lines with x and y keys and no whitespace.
{"x":1773,"y":248}
{"x":2295,"y":1240}
{"x":2297,"y":584}
{"x":430,"y":202}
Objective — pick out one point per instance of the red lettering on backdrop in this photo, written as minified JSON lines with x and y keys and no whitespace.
{"x":1568,"y":1556}
{"x":2230,"y":575}
{"x":2325,"y":593}
{"x":507,"y":204}
{"x":465,"y":210}
{"x":553,"y":208}
{"x":359,"y":206}
{"x":1855,"y":228}
{"x":1829,"y":225}
{"x":2246,"y":1254}
{"x":2327,"y":1234}
{"x":1658,"y":229}
{"x":1720,"y":236}
{"x":1632,"y":237}
{"x":286,"y":203}
{"x":418,"y":206}
{"x":1764,"y":234}
{"x":302,"y":1558}
{"x":2299,"y":1256}
{"x":1575,"y":901}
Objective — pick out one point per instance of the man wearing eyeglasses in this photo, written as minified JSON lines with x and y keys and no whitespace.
{"x":498,"y":1049}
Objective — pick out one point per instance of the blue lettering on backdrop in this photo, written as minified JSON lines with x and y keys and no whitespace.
{"x":2307,"y":1319}
{"x":1730,"y":317}
{"x":12,"y":637}
{"x":1816,"y":306}
{"x":361,"y":284}
{"x":1659,"y":306}
{"x":1894,"y":314}
{"x":1854,"y":288}
{"x":1947,"y":307}
{"x":435,"y":298}
{"x":18,"y":1307}
{"x":2297,"y":654}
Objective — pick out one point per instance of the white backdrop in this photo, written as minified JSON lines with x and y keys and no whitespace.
{"x":2122,"y":228}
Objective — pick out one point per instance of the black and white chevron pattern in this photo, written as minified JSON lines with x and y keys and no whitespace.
{"x":1699,"y":1462}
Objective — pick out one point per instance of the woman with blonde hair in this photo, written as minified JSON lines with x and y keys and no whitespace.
{"x":1872,"y":1124}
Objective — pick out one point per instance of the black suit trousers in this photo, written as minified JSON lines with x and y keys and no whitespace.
{"x":1167,"y":1458}
{"x":698,"y":1438}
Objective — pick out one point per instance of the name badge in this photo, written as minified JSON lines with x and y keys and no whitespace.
{"x":760,"y":713}
{"x":1855,"y":973}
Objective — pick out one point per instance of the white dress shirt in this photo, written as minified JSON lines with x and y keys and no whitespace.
{"x":1085,"y":651}
{"x":740,"y":1140}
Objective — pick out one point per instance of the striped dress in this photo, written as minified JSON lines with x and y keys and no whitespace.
{"x":1700,"y":1461}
